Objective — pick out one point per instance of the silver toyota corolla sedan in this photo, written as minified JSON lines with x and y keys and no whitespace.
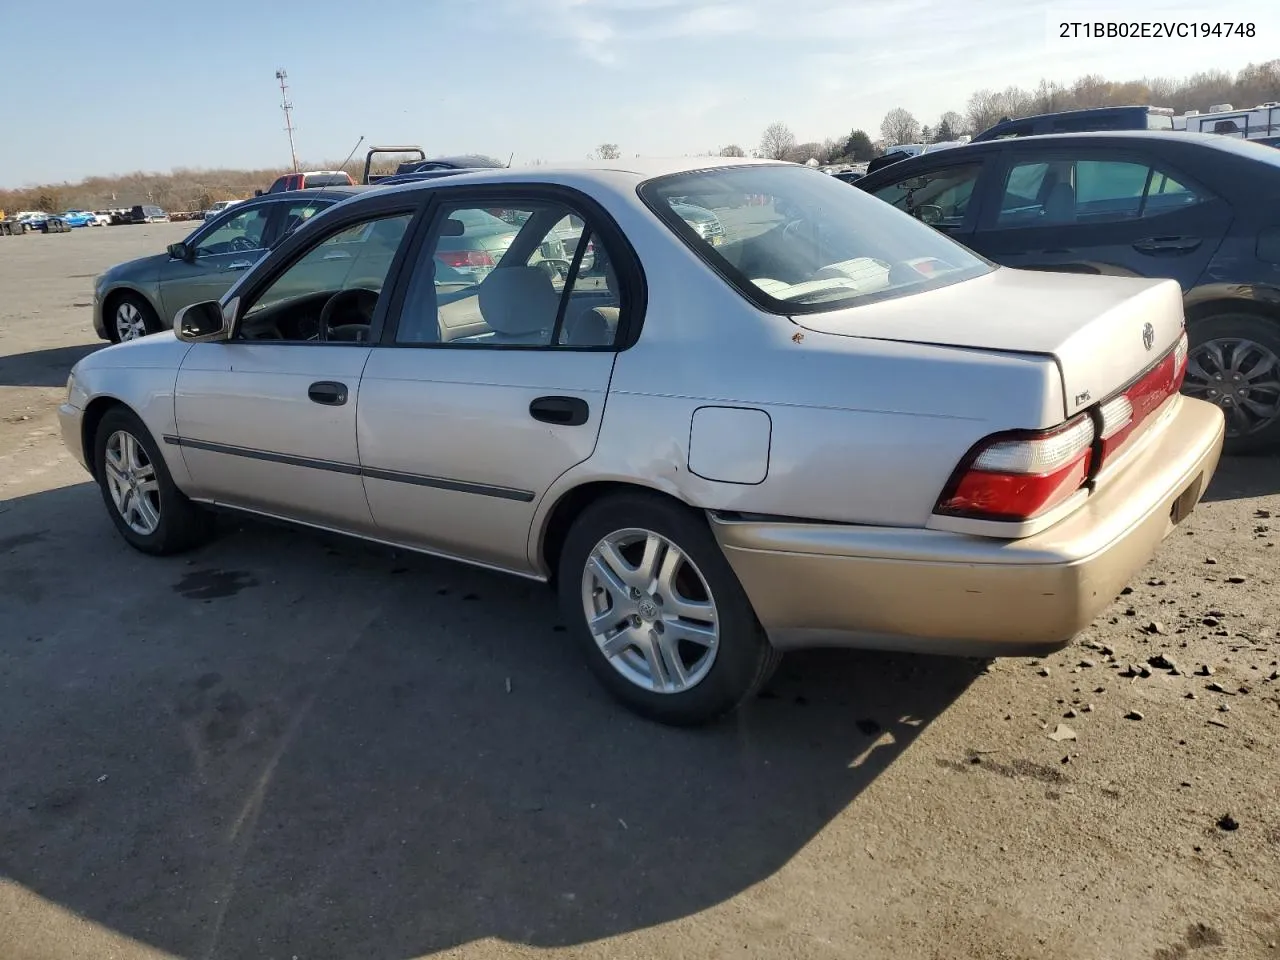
{"x":827,"y":425}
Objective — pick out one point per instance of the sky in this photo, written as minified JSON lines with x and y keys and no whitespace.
{"x":147,"y":85}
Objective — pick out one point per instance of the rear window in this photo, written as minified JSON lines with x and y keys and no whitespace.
{"x":328,"y":180}
{"x":794,"y":240}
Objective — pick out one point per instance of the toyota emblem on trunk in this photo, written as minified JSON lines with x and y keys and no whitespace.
{"x":1148,"y":335}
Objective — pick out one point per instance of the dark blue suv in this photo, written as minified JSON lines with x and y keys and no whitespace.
{"x":1200,"y":209}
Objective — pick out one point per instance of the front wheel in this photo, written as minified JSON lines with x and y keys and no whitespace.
{"x":1234,"y":361}
{"x":659,"y":613}
{"x":148,"y":509}
{"x":132,"y":318}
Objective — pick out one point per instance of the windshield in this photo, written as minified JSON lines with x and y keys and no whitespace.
{"x":794,"y":240}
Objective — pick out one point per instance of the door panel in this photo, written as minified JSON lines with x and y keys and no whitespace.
{"x":1100,"y":226}
{"x":256,"y":434}
{"x":454,"y":459}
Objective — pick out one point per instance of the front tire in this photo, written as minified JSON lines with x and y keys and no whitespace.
{"x":148,"y":509}
{"x":659,"y":613}
{"x":132,"y":318}
{"x":1234,"y":362}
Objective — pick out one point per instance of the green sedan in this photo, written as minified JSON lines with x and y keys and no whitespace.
{"x":143,"y":296}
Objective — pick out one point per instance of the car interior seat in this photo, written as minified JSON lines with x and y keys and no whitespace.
{"x":1060,"y":204}
{"x":519,"y":304}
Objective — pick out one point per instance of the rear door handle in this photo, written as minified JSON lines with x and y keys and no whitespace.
{"x":562,"y":411}
{"x":329,"y":392}
{"x":1167,"y":244}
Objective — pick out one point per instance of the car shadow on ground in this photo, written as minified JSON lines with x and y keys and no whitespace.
{"x":43,"y":368}
{"x":1240,"y":478}
{"x":289,"y":744}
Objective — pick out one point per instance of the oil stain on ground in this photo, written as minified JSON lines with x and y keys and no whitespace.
{"x":214,"y":584}
{"x":21,"y":540}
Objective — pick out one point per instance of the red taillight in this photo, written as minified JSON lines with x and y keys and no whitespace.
{"x":1021,"y":475}
{"x":1122,"y":414}
{"x":460,"y":259}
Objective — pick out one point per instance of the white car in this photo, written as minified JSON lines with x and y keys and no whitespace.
{"x":827,"y":424}
{"x":218,"y":207}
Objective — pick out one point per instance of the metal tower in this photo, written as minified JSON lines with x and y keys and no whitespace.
{"x":287,"y":107}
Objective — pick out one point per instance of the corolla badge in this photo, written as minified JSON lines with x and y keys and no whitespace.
{"x":1148,"y":335}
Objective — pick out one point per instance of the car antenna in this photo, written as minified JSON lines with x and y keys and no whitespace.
{"x":510,"y":158}
{"x":352,"y":153}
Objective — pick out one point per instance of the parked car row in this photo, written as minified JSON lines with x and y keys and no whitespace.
{"x":526,"y":370}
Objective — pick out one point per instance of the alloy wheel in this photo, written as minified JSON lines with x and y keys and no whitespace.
{"x":130,"y":323}
{"x":650,"y":611}
{"x":1240,"y":376}
{"x":131,"y":479}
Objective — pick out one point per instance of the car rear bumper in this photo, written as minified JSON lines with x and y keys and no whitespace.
{"x":819,"y":584}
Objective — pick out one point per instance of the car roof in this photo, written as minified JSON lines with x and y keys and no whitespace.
{"x":582,"y":174}
{"x":1176,"y":138}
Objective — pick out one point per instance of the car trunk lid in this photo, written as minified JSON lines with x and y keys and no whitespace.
{"x":1103,"y":332}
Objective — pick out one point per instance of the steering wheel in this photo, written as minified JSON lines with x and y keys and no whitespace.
{"x":554,"y":267}
{"x":243,"y":244}
{"x":357,"y":300}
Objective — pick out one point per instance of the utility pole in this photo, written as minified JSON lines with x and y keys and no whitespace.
{"x":287,"y":107}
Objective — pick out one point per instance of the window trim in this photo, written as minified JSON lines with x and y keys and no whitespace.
{"x":292,"y":249}
{"x":596,"y":220}
{"x":1045,"y":153}
{"x":741,"y":284}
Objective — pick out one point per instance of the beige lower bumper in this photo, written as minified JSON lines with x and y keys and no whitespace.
{"x":819,"y":584}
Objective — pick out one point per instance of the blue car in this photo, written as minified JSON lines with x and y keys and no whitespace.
{"x":78,"y":218}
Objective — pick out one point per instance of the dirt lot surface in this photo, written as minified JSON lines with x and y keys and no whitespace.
{"x":288,"y":746}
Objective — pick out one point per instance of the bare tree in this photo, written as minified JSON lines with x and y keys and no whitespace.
{"x":950,"y":126}
{"x":732,"y":150}
{"x":607,"y":151}
{"x":812,"y":150}
{"x":899,"y":126}
{"x":777,"y":141}
{"x":985,"y":108}
{"x":1050,"y":97}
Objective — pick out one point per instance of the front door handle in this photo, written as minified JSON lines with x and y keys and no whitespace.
{"x":562,"y":411}
{"x":329,"y":392}
{"x":240,"y":265}
{"x":1166,"y":244}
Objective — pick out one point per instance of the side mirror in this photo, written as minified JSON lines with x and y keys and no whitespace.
{"x":203,"y":322}
{"x":929,"y":213}
{"x":180,"y":251}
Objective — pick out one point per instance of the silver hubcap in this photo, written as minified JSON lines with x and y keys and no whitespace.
{"x":650,"y":611}
{"x":131,"y":479}
{"x":1240,"y":376}
{"x":129,"y":322}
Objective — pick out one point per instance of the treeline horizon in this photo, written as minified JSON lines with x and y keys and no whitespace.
{"x":193,"y":188}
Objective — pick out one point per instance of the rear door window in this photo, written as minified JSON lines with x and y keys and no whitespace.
{"x":1062,"y":190}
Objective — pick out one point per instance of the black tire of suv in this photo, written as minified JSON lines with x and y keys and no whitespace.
{"x":1247,"y":326}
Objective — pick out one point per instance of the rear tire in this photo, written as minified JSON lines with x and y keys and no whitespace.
{"x":1234,"y":362}
{"x":148,"y":509}
{"x":671,"y":632}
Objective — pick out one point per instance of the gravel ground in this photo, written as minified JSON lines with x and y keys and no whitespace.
{"x":288,"y":745}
